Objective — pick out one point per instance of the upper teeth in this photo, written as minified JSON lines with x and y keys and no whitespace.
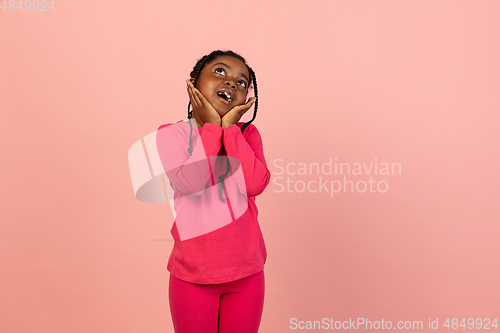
{"x":228,"y":96}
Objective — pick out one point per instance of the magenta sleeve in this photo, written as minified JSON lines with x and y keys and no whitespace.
{"x":247,"y":148}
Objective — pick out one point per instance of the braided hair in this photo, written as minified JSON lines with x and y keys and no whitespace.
{"x":195,"y":74}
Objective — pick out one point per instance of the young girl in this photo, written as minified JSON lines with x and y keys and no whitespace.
{"x":216,"y":167}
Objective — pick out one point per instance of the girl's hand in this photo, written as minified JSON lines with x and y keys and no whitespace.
{"x":202,"y":108}
{"x":235,"y":114}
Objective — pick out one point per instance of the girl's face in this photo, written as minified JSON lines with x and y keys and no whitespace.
{"x":224,"y":83}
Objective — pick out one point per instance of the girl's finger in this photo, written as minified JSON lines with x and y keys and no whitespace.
{"x":188,"y":88}
{"x":196,"y":98}
{"x":196,"y":94}
{"x":247,"y":106}
{"x":193,"y":100}
{"x":190,"y":93}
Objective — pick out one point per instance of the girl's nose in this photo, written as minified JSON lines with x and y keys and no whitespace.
{"x":231,"y":83}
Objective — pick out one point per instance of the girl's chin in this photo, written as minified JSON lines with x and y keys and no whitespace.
{"x":222,"y":110}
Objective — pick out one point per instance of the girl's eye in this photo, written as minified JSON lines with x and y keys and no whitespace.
{"x":220,"y":71}
{"x":242,"y":83}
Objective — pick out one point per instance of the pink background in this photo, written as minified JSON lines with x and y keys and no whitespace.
{"x":409,"y":82}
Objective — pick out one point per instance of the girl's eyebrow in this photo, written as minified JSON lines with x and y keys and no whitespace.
{"x":223,"y":64}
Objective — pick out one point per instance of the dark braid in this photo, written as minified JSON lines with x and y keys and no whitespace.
{"x":256,"y":104}
{"x":195,"y":74}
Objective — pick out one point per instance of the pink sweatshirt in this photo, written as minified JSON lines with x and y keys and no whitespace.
{"x":215,"y":241}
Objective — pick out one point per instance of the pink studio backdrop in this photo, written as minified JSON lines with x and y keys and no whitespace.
{"x":409,"y":83}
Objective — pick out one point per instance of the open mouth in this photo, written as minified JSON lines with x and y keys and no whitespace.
{"x":225,"y":95}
